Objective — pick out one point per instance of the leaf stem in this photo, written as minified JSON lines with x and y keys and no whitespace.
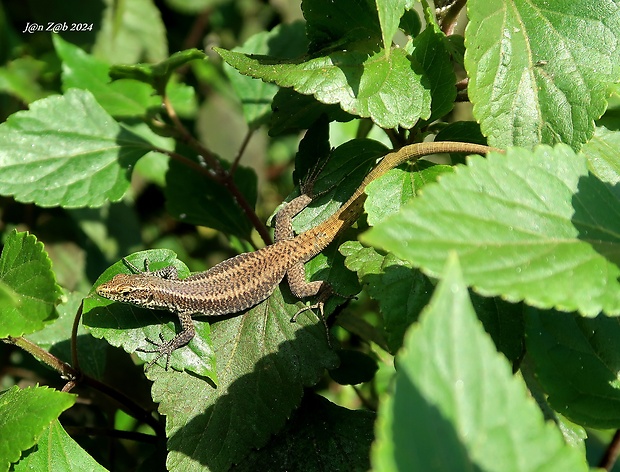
{"x":76,"y":377}
{"x":113,"y":433}
{"x":65,"y":370}
{"x":611,"y":453}
{"x":217,"y":172}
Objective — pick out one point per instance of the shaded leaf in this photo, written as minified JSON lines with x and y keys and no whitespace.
{"x":341,"y":23}
{"x":448,"y":409}
{"x":577,"y":363}
{"x":193,"y":198}
{"x":401,"y":290}
{"x":320,"y":436}
{"x":263,"y":363}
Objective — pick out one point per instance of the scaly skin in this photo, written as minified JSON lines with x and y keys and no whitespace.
{"x":245,"y":280}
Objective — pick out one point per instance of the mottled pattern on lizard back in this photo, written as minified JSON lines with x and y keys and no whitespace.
{"x":234,"y":284}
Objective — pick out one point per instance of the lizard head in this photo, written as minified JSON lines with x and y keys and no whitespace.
{"x":128,"y":288}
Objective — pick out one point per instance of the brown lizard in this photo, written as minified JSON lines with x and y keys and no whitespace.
{"x":245,"y":280}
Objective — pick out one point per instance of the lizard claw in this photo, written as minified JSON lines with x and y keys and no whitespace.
{"x":320,"y":305}
{"x":164,"y":348}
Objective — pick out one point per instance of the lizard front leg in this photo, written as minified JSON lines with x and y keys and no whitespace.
{"x":166,"y":348}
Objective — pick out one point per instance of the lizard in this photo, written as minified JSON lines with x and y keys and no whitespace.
{"x":247,"y":279}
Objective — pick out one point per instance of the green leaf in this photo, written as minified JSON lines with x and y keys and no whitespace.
{"x":264,"y":362}
{"x":158,"y":74}
{"x":57,"y":451}
{"x":81,"y":70}
{"x":389,"y":90}
{"x":293,"y":111}
{"x":602,"y":154}
{"x":401,"y":290}
{"x":24,"y":416}
{"x":355,"y":367}
{"x":577,"y":363}
{"x":192,"y":198}
{"x":467,"y":131}
{"x":410,"y":22}
{"x":66,"y":150}
{"x":430,"y":51}
{"x":531,"y":226}
{"x":320,"y":436}
{"x":390,"y":12}
{"x":451,"y":377}
{"x":21,"y":78}
{"x":388,"y":193}
{"x":346,"y":167}
{"x":256,"y":96}
{"x":349,"y":24}
{"x":129,"y":326}
{"x":504,"y":322}
{"x":131,"y":32}
{"x":539,"y":74}
{"x":26,"y":270}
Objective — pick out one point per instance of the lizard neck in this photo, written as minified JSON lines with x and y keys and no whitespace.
{"x":323,"y":234}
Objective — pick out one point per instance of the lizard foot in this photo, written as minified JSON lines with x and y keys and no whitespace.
{"x":320,"y":304}
{"x":165,"y":348}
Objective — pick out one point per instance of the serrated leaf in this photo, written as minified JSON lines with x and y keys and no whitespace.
{"x":389,"y":12}
{"x":264,"y":361}
{"x":131,"y":32}
{"x":26,"y":270}
{"x":430,"y":50}
{"x":256,"y":96}
{"x":390,"y":191}
{"x":66,"y":150}
{"x":57,"y":451}
{"x":24,"y":416}
{"x":451,"y":377}
{"x":602,"y":154}
{"x":577,"y":363}
{"x":531,"y":226}
{"x":539,"y":74}
{"x":401,"y":290}
{"x":386,"y":89}
{"x":320,"y":436}
{"x":128,"y":326}
{"x":81,"y":70}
